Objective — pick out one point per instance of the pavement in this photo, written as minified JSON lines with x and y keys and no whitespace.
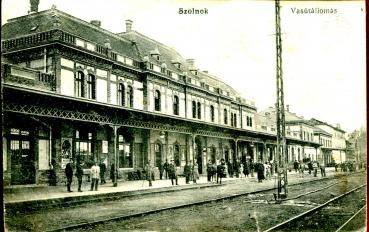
{"x":28,"y":194}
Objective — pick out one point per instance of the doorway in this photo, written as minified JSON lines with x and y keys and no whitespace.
{"x":23,"y":170}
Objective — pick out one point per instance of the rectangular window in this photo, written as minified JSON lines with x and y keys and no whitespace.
{"x":90,"y":46}
{"x":125,"y":155}
{"x":120,"y":58}
{"x":129,"y":61}
{"x":84,"y":153}
{"x":43,"y":154}
{"x":80,"y":42}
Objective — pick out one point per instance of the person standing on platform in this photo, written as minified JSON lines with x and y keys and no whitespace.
{"x":315,"y":167}
{"x":252,"y":168}
{"x":301,"y":169}
{"x":173,"y":172}
{"x":209,"y":170}
{"x":187,"y":173}
{"x":69,"y":174}
{"x":310,"y":166}
{"x":79,"y":175}
{"x":322,"y":169}
{"x":195,"y":172}
{"x":161,"y":171}
{"x":95,"y":174}
{"x":166,"y":167}
{"x":246,"y":168}
{"x":260,"y":171}
{"x":296,"y":165}
{"x":102,"y":172}
{"x":112,"y":173}
{"x":149,"y":172}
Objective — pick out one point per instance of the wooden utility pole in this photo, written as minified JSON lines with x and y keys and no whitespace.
{"x":281,"y":133}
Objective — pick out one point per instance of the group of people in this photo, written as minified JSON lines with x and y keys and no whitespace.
{"x":216,"y":171}
{"x":169,"y":169}
{"x":191,"y":172}
{"x":97,"y":172}
{"x":311,"y":166}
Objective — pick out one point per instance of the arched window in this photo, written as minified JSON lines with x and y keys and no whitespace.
{"x":177,"y":157}
{"x":157,"y":100}
{"x":157,"y":149}
{"x":212,"y":114}
{"x":175,"y":105}
{"x":91,"y":86}
{"x":78,"y":84}
{"x":193,"y":109}
{"x":121,"y":95}
{"x":225,"y":116}
{"x":213,"y":154}
{"x":199,"y":110}
{"x":130,"y":96}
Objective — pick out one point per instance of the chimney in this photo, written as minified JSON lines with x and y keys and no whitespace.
{"x":128,"y":25}
{"x":97,"y":23}
{"x":34,"y":6}
{"x":191,"y":62}
{"x":288,"y":108}
{"x":338,"y":126}
{"x":205,"y":71}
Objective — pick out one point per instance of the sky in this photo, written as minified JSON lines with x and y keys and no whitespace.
{"x":323,"y":55}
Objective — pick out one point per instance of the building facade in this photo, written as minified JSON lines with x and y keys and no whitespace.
{"x":73,"y":91}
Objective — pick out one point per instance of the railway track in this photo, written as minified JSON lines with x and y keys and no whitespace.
{"x":179,"y":206}
{"x":296,"y":220}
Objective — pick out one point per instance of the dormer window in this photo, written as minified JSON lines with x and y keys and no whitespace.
{"x":163,"y":68}
{"x":176,"y":63}
{"x":155,"y":53}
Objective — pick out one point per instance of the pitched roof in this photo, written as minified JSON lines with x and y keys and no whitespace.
{"x":318,"y":130}
{"x":169,"y":56}
{"x":44,"y":21}
{"x":314,"y":121}
{"x":289,"y":117}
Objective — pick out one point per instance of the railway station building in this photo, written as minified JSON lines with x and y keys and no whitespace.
{"x":73,"y":91}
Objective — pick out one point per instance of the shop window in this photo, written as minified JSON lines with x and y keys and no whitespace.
{"x":175,"y":105}
{"x":157,"y":99}
{"x":78,"y":84}
{"x":91,"y":86}
{"x":121,"y":95}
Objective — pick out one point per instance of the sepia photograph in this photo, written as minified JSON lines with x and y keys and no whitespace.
{"x":184,"y":115}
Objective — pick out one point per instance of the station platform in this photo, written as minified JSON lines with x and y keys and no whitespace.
{"x":33,"y":197}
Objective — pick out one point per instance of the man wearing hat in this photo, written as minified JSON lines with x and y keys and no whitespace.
{"x":173,"y":172}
